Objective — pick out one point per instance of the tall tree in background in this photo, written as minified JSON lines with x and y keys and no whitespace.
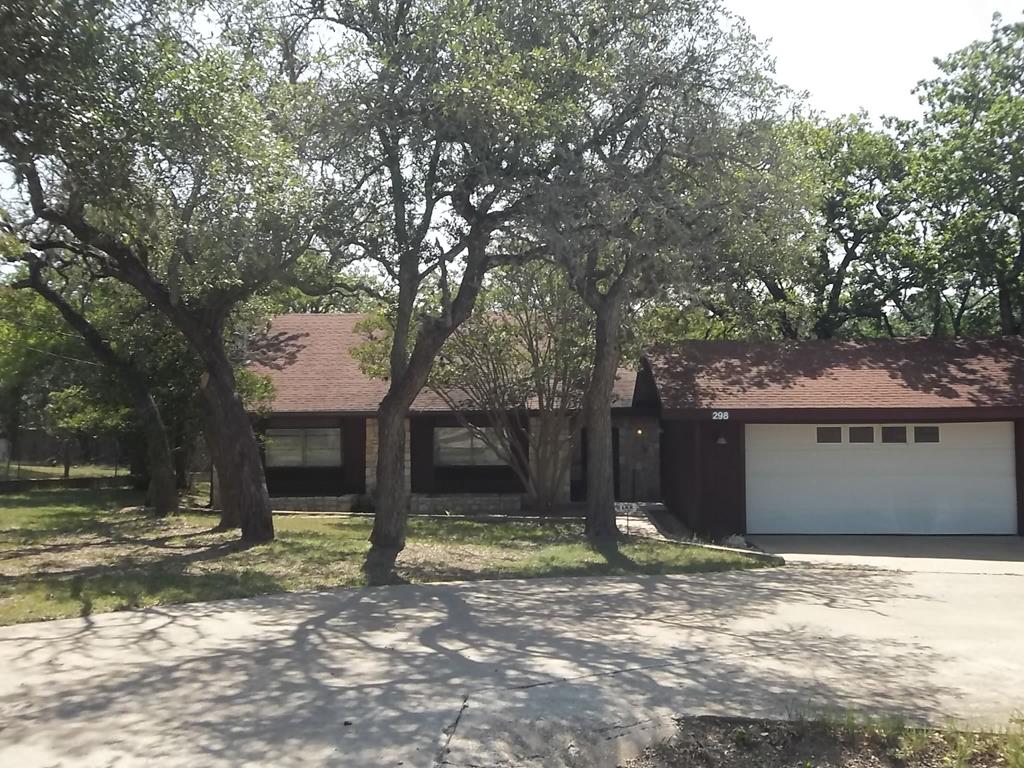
{"x":971,"y":165}
{"x":151,"y":151}
{"x":819,"y":240}
{"x":854,"y":268}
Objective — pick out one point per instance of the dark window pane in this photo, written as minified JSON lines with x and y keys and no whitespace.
{"x":926,"y":434}
{"x":862,"y":434}
{"x":894,"y":434}
{"x":830,"y":434}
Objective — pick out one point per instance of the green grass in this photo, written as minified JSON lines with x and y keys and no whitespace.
{"x":847,"y":739}
{"x":75,"y":552}
{"x":911,"y":746}
{"x":46,"y":472}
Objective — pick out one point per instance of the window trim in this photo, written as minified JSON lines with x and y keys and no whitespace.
{"x":849,"y":434}
{"x":938,"y":434}
{"x":818,"y":430}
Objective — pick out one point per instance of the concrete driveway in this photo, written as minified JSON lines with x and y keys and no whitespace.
{"x":940,"y":554}
{"x":539,"y":673}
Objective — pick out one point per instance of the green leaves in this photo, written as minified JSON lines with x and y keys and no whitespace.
{"x":75,"y":411}
{"x":970,"y":165}
{"x":141,"y":118}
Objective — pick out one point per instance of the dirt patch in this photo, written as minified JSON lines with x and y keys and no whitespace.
{"x":712,"y":742}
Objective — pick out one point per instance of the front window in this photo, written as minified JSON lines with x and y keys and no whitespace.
{"x":459,"y":446}
{"x":313,"y":447}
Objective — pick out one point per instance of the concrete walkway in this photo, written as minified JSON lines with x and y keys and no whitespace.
{"x":936,"y":554}
{"x":540,"y":673}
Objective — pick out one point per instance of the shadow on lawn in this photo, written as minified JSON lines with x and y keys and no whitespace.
{"x":130,"y":582}
{"x":315,"y":678}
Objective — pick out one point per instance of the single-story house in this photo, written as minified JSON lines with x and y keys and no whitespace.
{"x":910,"y":436}
{"x":321,"y":446}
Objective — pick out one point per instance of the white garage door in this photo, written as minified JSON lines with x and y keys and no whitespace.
{"x":964,"y":483}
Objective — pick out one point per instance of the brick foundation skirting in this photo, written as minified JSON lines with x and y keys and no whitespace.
{"x":419,"y":504}
{"x":466,"y":504}
{"x":350,"y":503}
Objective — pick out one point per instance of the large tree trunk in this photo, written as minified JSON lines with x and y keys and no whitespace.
{"x":236,"y":453}
{"x":1007,"y":317}
{"x":601,"y":529}
{"x":391,"y":501}
{"x":163,"y":493}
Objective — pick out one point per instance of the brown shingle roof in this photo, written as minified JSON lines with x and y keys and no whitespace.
{"x":308,"y":358}
{"x":900,"y":373}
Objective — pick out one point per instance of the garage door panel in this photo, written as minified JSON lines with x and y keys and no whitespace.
{"x":963,"y":484}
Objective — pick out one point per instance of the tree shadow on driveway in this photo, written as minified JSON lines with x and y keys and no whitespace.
{"x":373,"y":676}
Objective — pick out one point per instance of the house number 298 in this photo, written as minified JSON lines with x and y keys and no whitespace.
{"x":719,"y":415}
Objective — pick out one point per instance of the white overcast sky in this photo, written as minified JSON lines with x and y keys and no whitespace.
{"x":867,"y":53}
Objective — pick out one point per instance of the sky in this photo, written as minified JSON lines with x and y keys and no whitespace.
{"x":867,"y":53}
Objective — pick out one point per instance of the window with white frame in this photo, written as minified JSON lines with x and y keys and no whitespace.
{"x":861,"y":434}
{"x":462,"y":447}
{"x":307,"y":447}
{"x":894,"y":433}
{"x":830,"y":434}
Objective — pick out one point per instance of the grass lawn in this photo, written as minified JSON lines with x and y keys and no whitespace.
{"x":69,"y":553}
{"x":46,"y":472}
{"x":851,"y":742}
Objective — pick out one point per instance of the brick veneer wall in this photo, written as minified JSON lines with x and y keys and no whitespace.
{"x":639,"y":458}
{"x":466,"y":504}
{"x":349,"y":503}
{"x":419,"y":504}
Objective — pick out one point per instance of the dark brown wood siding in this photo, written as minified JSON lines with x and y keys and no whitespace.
{"x":426,"y":477}
{"x":353,"y":438}
{"x":680,"y":482}
{"x":704,"y":475}
{"x":645,"y":392}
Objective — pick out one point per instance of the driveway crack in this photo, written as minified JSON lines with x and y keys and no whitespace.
{"x":441,"y":758}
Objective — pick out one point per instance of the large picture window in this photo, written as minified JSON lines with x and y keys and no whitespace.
{"x":462,"y":447}
{"x":313,"y":447}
